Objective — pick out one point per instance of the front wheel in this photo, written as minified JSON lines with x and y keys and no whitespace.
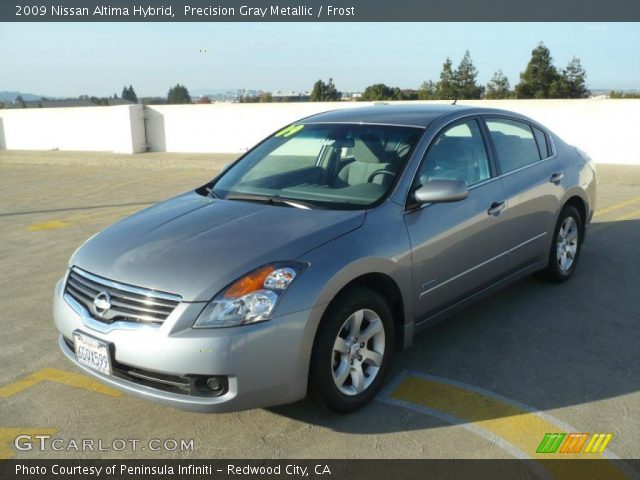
{"x":352,"y":351}
{"x":565,"y":249}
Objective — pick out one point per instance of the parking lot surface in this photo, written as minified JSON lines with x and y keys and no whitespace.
{"x":488,"y":383}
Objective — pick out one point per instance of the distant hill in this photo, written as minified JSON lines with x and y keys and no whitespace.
{"x":6,"y":96}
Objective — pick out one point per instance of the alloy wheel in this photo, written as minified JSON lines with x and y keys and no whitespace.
{"x":567,"y":244}
{"x":358,"y":351}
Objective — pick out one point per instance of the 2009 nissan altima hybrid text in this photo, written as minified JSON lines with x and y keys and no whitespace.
{"x":306,"y":263}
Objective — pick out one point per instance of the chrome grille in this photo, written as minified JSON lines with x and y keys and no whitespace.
{"x":128,"y":303}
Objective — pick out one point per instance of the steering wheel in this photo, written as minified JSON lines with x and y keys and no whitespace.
{"x":380,"y":172}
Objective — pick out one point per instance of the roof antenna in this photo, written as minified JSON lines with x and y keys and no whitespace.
{"x":455,"y":101}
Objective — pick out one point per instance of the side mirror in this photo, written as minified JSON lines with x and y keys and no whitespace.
{"x":441,"y":191}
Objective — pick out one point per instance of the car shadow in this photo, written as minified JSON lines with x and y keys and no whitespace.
{"x":548,"y":346}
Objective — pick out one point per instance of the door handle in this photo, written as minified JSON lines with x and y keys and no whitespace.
{"x":556,"y":177}
{"x":496,"y":208}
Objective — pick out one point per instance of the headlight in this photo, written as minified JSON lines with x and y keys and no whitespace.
{"x":250,"y":299}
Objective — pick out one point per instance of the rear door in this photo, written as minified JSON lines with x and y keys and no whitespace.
{"x":531,"y":178}
{"x":457,"y":247}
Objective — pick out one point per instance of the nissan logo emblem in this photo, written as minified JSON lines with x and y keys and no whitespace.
{"x":102,"y":303}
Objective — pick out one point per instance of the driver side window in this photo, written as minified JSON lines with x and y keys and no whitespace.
{"x":458,"y":153}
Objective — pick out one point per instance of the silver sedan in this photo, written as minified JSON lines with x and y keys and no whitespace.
{"x":306,"y":263}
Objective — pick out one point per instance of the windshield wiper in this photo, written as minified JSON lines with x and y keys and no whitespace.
{"x":272,"y":200}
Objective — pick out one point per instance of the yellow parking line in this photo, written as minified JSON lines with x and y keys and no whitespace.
{"x":629,"y":216}
{"x":48,"y":225}
{"x":515,"y":427}
{"x":617,"y":206}
{"x":107,"y":213}
{"x":110,"y":214}
{"x":59,"y":376}
{"x":597,"y":226}
{"x":8,"y":435}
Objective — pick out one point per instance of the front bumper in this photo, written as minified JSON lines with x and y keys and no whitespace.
{"x":266,"y":364}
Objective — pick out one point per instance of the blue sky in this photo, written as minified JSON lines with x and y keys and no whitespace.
{"x":99,"y":58}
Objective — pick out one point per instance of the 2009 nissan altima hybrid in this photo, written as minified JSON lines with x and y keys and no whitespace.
{"x":307,"y":262}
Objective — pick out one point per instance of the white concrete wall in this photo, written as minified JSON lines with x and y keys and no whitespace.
{"x":223,"y":127}
{"x":117,"y":129}
{"x":609,"y":130}
{"x":606,"y":129}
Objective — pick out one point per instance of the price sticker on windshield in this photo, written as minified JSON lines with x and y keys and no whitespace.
{"x":288,"y":131}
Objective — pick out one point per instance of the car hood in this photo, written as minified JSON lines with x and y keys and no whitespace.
{"x":195,"y":246}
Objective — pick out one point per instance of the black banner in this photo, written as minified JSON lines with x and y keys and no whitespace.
{"x":319,"y":10}
{"x":311,"y":469}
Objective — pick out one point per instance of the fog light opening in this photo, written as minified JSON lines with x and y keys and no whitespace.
{"x":214,"y":384}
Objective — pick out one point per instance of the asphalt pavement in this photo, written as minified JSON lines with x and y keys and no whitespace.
{"x":488,"y":383}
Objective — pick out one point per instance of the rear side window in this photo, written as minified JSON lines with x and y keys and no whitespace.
{"x":514,"y":142}
{"x":541,"y":140}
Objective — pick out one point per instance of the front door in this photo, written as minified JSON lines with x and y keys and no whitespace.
{"x":457,"y":247}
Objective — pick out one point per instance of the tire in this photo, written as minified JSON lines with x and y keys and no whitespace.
{"x":345,"y":375}
{"x":566,"y":246}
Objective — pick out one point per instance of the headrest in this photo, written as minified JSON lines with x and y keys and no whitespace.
{"x":368,"y":148}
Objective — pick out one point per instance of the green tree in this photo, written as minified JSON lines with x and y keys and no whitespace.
{"x":427,"y":91}
{"x":446,"y":86}
{"x":132,"y":95}
{"x":464,"y":79}
{"x":539,"y":77}
{"x":614,"y":94}
{"x":324,"y":92}
{"x":498,"y":87}
{"x":20,"y":102}
{"x":266,"y":97}
{"x":574,"y":79}
{"x":396,"y":94}
{"x":405,"y":94}
{"x":559,"y":88}
{"x":154,"y":101}
{"x":178,"y":95}
{"x":377,"y":92}
{"x":248,"y":99}
{"x":382,"y":92}
{"x":129,"y":94}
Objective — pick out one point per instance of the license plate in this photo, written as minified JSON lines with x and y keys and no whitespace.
{"x":93,"y":353}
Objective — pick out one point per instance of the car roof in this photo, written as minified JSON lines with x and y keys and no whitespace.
{"x":406,"y":115}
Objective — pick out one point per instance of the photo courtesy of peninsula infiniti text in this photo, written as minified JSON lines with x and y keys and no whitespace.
{"x":309,"y":261}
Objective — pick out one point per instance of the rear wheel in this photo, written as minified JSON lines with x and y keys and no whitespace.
{"x":352,"y":351}
{"x":565,"y":250}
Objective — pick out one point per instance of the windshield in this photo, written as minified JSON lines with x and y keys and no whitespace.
{"x":326,"y":165}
